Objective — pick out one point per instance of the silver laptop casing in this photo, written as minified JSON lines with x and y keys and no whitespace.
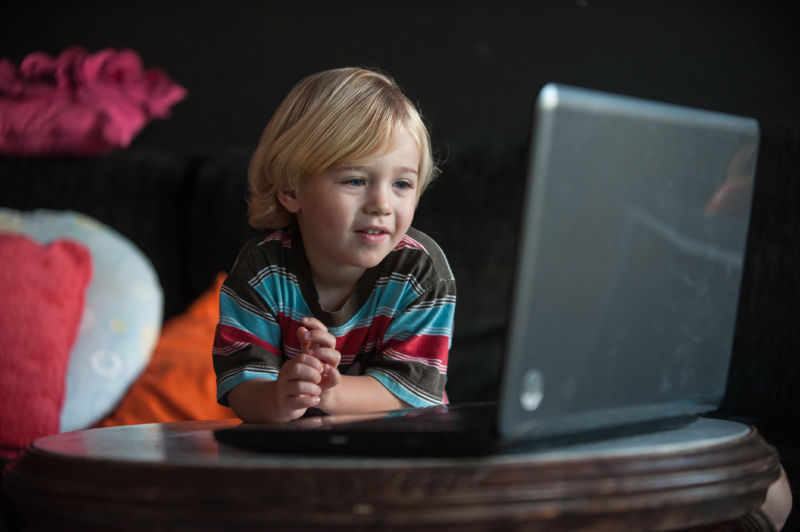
{"x":631,"y":248}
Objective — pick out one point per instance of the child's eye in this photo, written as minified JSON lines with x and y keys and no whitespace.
{"x":354,"y":182}
{"x":404,"y":185}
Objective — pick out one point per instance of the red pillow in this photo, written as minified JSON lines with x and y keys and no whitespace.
{"x":42,"y":291}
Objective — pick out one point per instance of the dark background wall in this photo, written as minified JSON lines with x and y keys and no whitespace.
{"x":473,"y":66}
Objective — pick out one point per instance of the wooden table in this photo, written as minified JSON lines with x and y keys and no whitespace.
{"x":712,"y":474}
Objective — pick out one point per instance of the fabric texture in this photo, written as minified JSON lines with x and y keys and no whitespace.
{"x":43,"y":290}
{"x":79,"y":103}
{"x":396,"y":326}
{"x":179,"y":383}
{"x":122,"y":317}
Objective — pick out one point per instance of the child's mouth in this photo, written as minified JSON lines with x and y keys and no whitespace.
{"x":376,"y":230}
{"x":372,"y":234}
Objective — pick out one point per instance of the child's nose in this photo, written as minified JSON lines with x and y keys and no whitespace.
{"x":378,"y":200}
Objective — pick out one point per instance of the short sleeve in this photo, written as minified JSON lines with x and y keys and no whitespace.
{"x":257,"y":300}
{"x":412,"y":361}
{"x":246,"y":339}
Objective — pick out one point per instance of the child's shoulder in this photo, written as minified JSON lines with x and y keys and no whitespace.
{"x":417,"y":250}
{"x":271,"y":247}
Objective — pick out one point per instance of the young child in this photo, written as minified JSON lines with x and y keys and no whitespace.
{"x":341,"y":306}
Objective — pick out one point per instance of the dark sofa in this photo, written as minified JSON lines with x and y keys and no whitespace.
{"x":179,"y":191}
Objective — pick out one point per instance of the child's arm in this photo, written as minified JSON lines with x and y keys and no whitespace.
{"x":357,"y":395}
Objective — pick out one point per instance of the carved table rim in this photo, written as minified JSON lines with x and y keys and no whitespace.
{"x":177,"y":477}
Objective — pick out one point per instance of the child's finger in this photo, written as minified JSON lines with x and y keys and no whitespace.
{"x":326,"y":355}
{"x":301,"y":387}
{"x":314,"y":324}
{"x":303,"y":366}
{"x":306,"y":373}
{"x":330,"y":377}
{"x":307,"y":359}
{"x":322,"y":338}
{"x":303,"y":338}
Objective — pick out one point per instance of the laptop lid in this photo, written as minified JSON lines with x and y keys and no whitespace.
{"x":631,"y":251}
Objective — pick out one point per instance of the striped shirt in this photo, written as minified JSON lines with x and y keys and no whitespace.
{"x":396,"y":327}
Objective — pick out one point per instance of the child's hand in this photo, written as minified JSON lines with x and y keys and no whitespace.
{"x":298,"y":386}
{"x":320,"y":344}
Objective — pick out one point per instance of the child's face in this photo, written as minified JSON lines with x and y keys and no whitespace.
{"x":351,"y":216}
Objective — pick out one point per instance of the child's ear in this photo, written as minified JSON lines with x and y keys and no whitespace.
{"x":288,"y":199}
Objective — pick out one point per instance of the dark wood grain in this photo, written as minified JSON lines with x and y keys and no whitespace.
{"x":176,"y":477}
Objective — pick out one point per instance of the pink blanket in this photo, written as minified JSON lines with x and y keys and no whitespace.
{"x":79,"y":103}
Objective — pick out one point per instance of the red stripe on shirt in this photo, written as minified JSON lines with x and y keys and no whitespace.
{"x":226,"y":335}
{"x":425,"y":346}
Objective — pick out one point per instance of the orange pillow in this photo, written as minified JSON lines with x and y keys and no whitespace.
{"x":179,"y":383}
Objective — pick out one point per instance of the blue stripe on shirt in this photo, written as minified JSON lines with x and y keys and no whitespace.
{"x":437,"y":321}
{"x":233,"y":314}
{"x":282,"y":296}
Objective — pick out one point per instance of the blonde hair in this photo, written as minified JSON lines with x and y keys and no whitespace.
{"x":327,"y":119}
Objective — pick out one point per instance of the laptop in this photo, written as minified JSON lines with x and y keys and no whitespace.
{"x":628,"y":266}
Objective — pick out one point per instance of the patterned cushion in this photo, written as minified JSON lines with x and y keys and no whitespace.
{"x":121,"y":319}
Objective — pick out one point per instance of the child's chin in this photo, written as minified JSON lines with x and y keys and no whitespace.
{"x":370,"y":261}
{"x":367,"y":264}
